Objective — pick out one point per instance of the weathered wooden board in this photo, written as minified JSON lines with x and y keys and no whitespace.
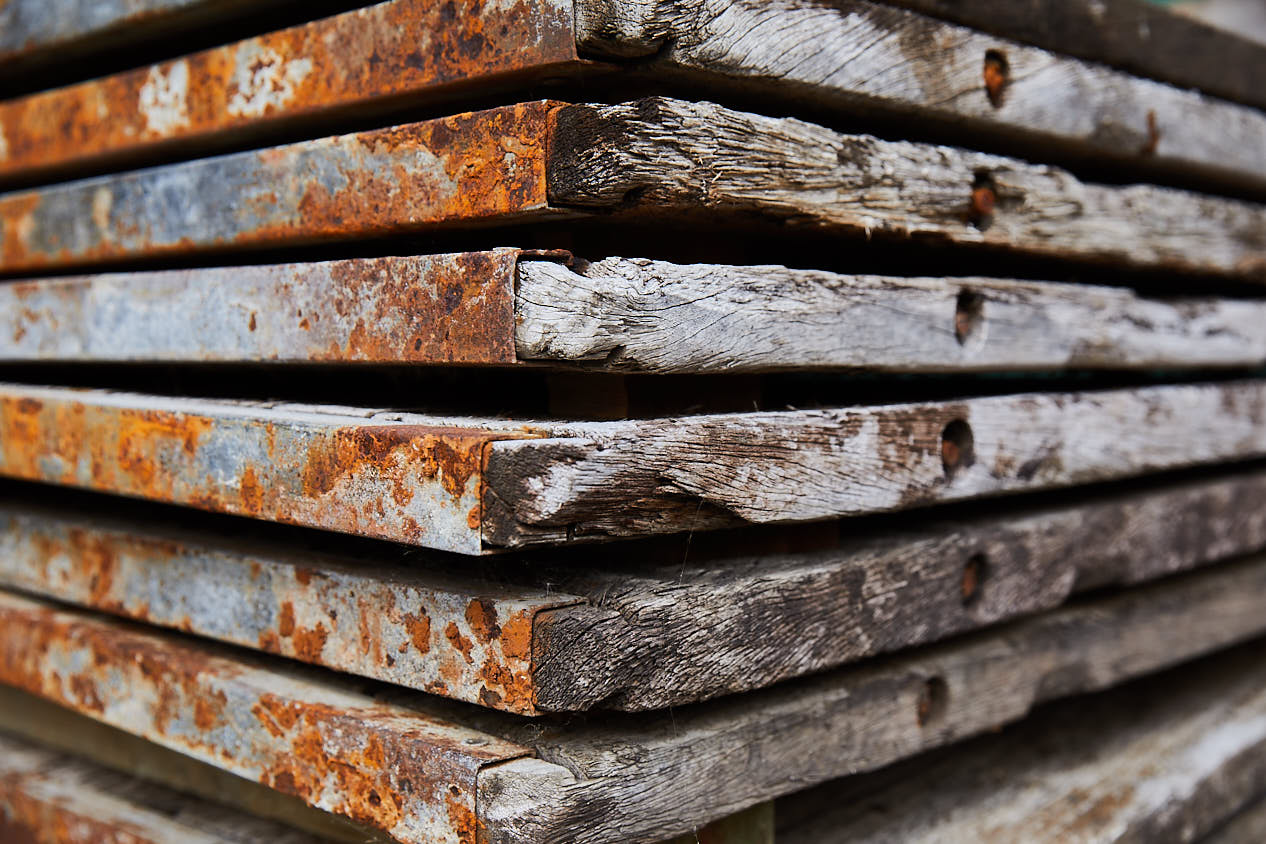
{"x":1137,"y":36}
{"x":658,"y":156}
{"x":858,"y":55}
{"x":52,"y":797}
{"x":627,"y":779}
{"x":468,"y":484}
{"x":371,"y":56}
{"x":1165,"y":759}
{"x":506,"y":306}
{"x":632,"y":628}
{"x":1247,"y":827}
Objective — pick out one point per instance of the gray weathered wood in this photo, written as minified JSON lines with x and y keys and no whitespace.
{"x":651,"y":316}
{"x":1134,"y":35}
{"x":1166,"y":759}
{"x":750,"y":826}
{"x":860,"y":55}
{"x":1248,"y":827}
{"x":659,"y":154}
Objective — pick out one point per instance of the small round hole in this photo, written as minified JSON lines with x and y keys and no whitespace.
{"x":969,"y":312}
{"x":997,"y":74}
{"x":933,"y":701}
{"x":957,"y":446}
{"x":983,"y":201}
{"x":974,"y":573}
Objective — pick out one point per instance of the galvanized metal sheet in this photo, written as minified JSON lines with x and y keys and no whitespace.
{"x":469,"y":639}
{"x":400,"y":770}
{"x":479,"y":167}
{"x":456,"y":308}
{"x":404,"y":48}
{"x":372,"y":476}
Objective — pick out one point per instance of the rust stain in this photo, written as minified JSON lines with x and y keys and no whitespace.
{"x":481,"y":615}
{"x":459,"y":642}
{"x":996,"y":75}
{"x":1153,"y":134}
{"x":419,"y":627}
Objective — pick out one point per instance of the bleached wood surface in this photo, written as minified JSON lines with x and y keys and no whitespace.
{"x":864,"y":56}
{"x":1166,"y":759}
{"x":650,"y":316}
{"x":659,"y":153}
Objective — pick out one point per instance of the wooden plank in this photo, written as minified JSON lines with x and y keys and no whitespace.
{"x":750,"y":826}
{"x":628,"y":779}
{"x":47,"y":796}
{"x":388,"y":54}
{"x":660,"y":154}
{"x":870,"y":58}
{"x":624,"y":629}
{"x":1133,"y":35}
{"x":472,"y":484}
{"x":505,"y":306}
{"x":1166,"y":759}
{"x":1247,"y":827}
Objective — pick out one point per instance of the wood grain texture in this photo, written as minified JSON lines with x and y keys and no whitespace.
{"x":604,"y":479}
{"x":639,"y":315}
{"x":659,"y":154}
{"x":1166,"y":759}
{"x":603,"y":782}
{"x":1133,"y":35}
{"x":670,"y":633}
{"x":858,"y":55}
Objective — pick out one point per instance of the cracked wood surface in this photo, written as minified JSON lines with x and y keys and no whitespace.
{"x":622,"y":778}
{"x":863,"y":56}
{"x":1163,"y":759}
{"x":506,"y":306}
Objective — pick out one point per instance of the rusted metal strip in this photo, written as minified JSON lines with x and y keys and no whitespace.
{"x":386,"y":52}
{"x":401,"y":770}
{"x":462,"y":637}
{"x":53,"y":797}
{"x":359,"y":474}
{"x":456,"y":308}
{"x":480,"y":167}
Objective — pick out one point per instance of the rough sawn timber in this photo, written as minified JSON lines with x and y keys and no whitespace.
{"x":634,"y":779}
{"x":859,"y":56}
{"x":51,"y":797}
{"x":1163,"y":759}
{"x":659,"y":154}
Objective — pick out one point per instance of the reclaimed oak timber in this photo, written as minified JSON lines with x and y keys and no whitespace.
{"x":1162,"y":759}
{"x":622,"y":779}
{"x":660,"y":157}
{"x":52,"y":797}
{"x":631,"y":629}
{"x":387,"y":54}
{"x":470,"y":484}
{"x":1136,"y":36}
{"x":507,"y":306}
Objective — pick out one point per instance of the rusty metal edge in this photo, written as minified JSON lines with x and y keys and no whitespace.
{"x":410,"y":773}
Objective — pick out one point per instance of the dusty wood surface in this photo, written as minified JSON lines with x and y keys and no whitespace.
{"x":618,"y":779}
{"x":650,"y":316}
{"x":660,"y":153}
{"x":860,"y":55}
{"x":1136,"y":36}
{"x":1165,"y":759}
{"x":48,"y":796}
{"x":1247,"y":827}
{"x":61,"y":729}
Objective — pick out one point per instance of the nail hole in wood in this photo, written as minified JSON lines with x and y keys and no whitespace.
{"x":997,"y":75}
{"x":968,"y":314}
{"x":974,"y":573}
{"x":984,"y":199}
{"x":933,"y":701}
{"x":957,"y":446}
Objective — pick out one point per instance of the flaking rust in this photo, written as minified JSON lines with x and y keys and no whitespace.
{"x":411,"y":50}
{"x":403,"y":771}
{"x":470,"y":169}
{"x":413,"y":483}
{"x":463,"y":638}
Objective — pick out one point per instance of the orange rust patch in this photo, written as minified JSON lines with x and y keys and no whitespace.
{"x":481,"y":615}
{"x":252,"y":494}
{"x":458,"y":641}
{"x":419,"y":627}
{"x":286,"y":625}
{"x":516,"y":636}
{"x":208,"y":710}
{"x":310,"y":642}
{"x":303,"y":575}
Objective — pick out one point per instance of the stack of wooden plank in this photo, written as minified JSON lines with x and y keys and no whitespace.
{"x":616,"y":420}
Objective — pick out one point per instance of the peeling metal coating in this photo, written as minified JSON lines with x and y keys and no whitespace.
{"x":405,"y":48}
{"x":468,"y":640}
{"x":399,"y":770}
{"x":456,"y":308}
{"x":479,"y":167}
{"x":365,"y":475}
